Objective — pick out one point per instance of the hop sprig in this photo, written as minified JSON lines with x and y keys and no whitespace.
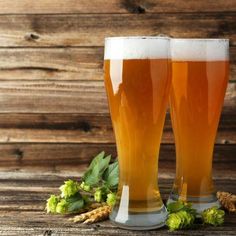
{"x":97,"y":185}
{"x":180,"y":220}
{"x":213,"y":216}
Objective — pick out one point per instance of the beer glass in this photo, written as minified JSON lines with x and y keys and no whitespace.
{"x":199,"y":80}
{"x":137,"y":81}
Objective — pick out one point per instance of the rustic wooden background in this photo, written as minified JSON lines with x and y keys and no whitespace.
{"x":53,"y":108}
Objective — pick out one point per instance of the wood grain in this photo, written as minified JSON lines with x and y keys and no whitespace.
{"x":52,"y":63}
{"x":114,"y":6}
{"x":91,"y":29}
{"x":66,"y":97}
{"x":85,"y":128}
{"x":61,"y":63}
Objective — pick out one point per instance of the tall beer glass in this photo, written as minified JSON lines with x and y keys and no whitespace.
{"x":199,"y":80}
{"x":137,"y":80}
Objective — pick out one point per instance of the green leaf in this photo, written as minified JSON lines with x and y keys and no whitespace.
{"x":96,"y":169}
{"x":75,"y":206}
{"x":175,"y":206}
{"x":74,"y":198}
{"x":111,"y":175}
{"x":96,"y":160}
{"x":104,"y":164}
{"x":70,"y":204}
{"x":91,"y":177}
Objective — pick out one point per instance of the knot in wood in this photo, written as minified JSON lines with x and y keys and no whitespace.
{"x":31,"y":37}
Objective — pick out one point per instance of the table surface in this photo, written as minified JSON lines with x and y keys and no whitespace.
{"x":22,"y":203}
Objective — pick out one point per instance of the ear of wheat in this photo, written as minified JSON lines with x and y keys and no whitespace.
{"x":95,"y":215}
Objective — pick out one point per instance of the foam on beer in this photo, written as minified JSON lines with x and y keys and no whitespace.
{"x":199,"y":49}
{"x":137,"y":48}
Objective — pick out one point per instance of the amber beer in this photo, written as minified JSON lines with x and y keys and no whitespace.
{"x":199,"y":79}
{"x":137,"y":80}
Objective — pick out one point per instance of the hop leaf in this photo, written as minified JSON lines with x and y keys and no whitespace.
{"x":213,"y":216}
{"x":69,"y":188}
{"x":180,"y":220}
{"x":75,"y":203}
{"x":111,"y":199}
{"x":52,"y":204}
{"x":111,"y":175}
{"x":96,"y":169}
{"x":174,"y":207}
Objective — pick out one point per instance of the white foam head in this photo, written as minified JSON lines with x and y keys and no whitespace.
{"x":137,"y":47}
{"x":199,"y":49}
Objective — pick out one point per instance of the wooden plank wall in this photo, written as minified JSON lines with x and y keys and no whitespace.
{"x":53,"y":108}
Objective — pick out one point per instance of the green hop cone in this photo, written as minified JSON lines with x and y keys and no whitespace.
{"x":174,"y":222}
{"x":111,"y":199}
{"x":213,"y":216}
{"x":98,"y":195}
{"x":85,"y":186}
{"x":62,"y":206}
{"x":180,"y":220}
{"x":52,"y":204}
{"x":69,"y":188}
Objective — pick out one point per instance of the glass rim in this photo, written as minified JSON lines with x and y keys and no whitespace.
{"x":137,"y":37}
{"x":201,"y":39}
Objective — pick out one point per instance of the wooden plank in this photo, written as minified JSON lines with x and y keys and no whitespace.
{"x":52,"y":64}
{"x":24,"y":195}
{"x":61,"y":63}
{"x":73,"y":159}
{"x":58,"y":97}
{"x":85,"y":128}
{"x":91,"y":29}
{"x":114,"y":6}
{"x":38,"y":223}
{"x":66,"y":97}
{"x":30,"y":198}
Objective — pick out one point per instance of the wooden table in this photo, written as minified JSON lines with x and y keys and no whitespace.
{"x":22,"y":203}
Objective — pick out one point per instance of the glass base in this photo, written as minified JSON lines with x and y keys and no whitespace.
{"x":139,"y":220}
{"x":198,"y":203}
